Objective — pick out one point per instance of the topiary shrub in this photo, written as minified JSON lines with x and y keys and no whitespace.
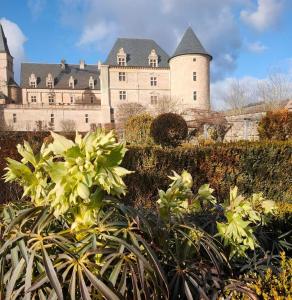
{"x":276,"y":125}
{"x":169,"y":129}
{"x":137,"y":129}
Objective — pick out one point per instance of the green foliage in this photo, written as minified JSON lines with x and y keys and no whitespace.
{"x":137,"y":129}
{"x":169,"y":129}
{"x":254,"y":167}
{"x":276,"y":125}
{"x":242,"y":214}
{"x":274,"y":284}
{"x":72,"y":177}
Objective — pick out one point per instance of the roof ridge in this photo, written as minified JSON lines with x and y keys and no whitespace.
{"x":3,"y":41}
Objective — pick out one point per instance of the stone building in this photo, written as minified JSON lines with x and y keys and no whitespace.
{"x":82,"y":96}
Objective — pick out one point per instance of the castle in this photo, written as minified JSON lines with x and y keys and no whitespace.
{"x":136,"y":70}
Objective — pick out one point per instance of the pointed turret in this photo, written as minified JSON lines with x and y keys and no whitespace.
{"x":190,"y":44}
{"x":3,"y":42}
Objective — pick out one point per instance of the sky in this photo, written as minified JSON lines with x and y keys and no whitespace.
{"x":247,"y":38}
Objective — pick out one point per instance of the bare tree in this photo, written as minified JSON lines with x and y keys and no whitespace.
{"x":238,"y":94}
{"x":275,"y":88}
{"x":127,"y":110}
{"x":167,"y":104}
{"x":68,"y":125}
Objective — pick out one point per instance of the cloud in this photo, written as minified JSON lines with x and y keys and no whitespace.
{"x":15,"y":40}
{"x":36,"y":7}
{"x":257,"y":47}
{"x":267,"y":14}
{"x":101,"y":22}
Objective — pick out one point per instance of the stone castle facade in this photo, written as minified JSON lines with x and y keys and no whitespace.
{"x":136,"y":70}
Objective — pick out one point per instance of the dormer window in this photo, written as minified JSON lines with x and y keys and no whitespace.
{"x":33,"y":81}
{"x":71,"y":82}
{"x":50,"y":81}
{"x":91,"y":82}
{"x":122,"y":57}
{"x":153,"y":59}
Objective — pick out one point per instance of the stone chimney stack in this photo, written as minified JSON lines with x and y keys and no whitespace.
{"x":63,"y":64}
{"x":82,"y":64}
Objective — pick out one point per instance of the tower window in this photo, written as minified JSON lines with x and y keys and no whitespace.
{"x":123,"y":95}
{"x":33,"y":99}
{"x":194,"y":76}
{"x":121,"y":61}
{"x":154,"y":99}
{"x":50,"y":85}
{"x":194,"y":95}
{"x":33,"y":84}
{"x":153,"y":81}
{"x":52,"y":118}
{"x":122,"y":76}
{"x":153,"y":62}
{"x":86,"y":118}
{"x":14,"y":118}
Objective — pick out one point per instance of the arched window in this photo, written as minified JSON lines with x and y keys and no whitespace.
{"x":50,"y":81}
{"x":153,"y":59}
{"x":122,"y":57}
{"x":32,"y":81}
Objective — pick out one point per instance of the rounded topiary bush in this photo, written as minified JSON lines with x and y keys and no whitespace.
{"x":169,"y":129}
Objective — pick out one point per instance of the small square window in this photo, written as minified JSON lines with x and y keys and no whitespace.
{"x":33,"y":84}
{"x":33,"y":99}
{"x":153,"y":62}
{"x":194,"y":95}
{"x":153,"y":81}
{"x":14,"y":118}
{"x":122,"y":76}
{"x":121,"y":61}
{"x":122,"y":95}
{"x":50,"y":85}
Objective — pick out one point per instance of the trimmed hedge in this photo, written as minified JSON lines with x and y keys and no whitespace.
{"x":254,"y":167}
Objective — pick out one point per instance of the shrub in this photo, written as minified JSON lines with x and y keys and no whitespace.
{"x":137,"y":130}
{"x":169,"y":129}
{"x":276,"y":125}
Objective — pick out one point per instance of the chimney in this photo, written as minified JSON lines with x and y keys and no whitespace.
{"x":63,"y":64}
{"x":82,"y":64}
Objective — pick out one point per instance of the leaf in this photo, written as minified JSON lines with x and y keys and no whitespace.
{"x":72,"y":285}
{"x":60,"y":144}
{"x":83,"y":191}
{"x":17,"y":272}
{"x":50,"y":271}
{"x":100,"y":286}
{"x":28,"y":277}
{"x":83,"y":288}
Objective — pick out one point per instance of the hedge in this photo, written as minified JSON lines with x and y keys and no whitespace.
{"x":252,"y":166}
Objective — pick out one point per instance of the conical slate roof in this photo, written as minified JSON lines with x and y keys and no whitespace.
{"x":190,"y":44}
{"x":3,"y":42}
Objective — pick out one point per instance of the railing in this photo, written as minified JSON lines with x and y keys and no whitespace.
{"x":52,"y":106}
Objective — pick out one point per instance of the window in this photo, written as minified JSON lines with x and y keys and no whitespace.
{"x":86,"y":118}
{"x":122,"y":76}
{"x":154,"y":99}
{"x":194,"y":59}
{"x":32,"y":80}
{"x":50,"y":84}
{"x":72,"y":99}
{"x":153,"y":62}
{"x":52,"y":118}
{"x":123,"y":95}
{"x":14,"y":118}
{"x":33,"y":99}
{"x":33,"y":84}
{"x":121,"y":61}
{"x":71,"y":82}
{"x":153,"y":81}
{"x":194,"y":95}
{"x":51,"y":99}
{"x":50,"y":81}
{"x":194,"y":76}
{"x":91,"y":99}
{"x":91,"y":82}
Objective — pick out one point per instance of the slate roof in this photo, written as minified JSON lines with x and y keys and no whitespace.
{"x":41,"y":71}
{"x":3,"y":42}
{"x":190,"y":44}
{"x":137,"y":51}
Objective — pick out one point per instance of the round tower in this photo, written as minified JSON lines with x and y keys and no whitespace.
{"x":190,"y":73}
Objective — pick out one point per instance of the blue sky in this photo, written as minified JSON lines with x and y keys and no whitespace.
{"x":247,"y":38}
